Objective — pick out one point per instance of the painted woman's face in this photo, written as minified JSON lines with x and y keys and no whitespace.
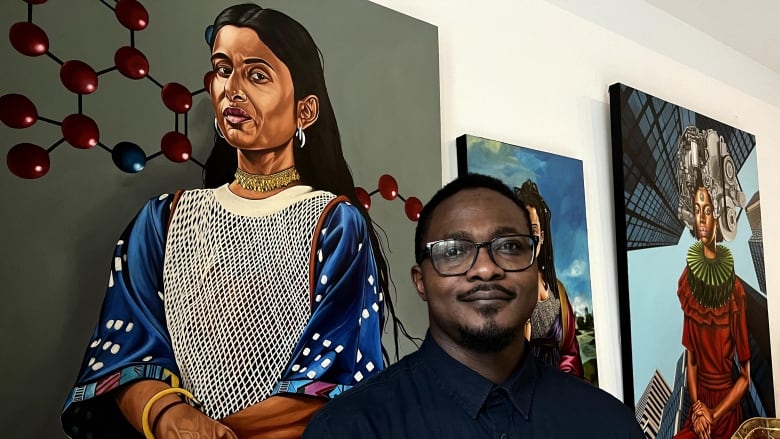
{"x":252,"y":91}
{"x":706,"y":224}
{"x":536,"y":226}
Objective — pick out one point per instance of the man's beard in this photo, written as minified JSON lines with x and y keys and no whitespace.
{"x":490,"y":337}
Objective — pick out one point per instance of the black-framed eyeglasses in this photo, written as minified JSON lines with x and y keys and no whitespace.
{"x":453,"y":257}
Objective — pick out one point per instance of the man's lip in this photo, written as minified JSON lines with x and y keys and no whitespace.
{"x":486,"y":295}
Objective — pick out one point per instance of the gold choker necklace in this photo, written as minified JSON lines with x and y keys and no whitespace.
{"x":267,"y":183}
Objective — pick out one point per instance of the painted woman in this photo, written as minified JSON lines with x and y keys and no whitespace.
{"x":712,"y":298}
{"x":552,"y":327}
{"x":261,"y":296}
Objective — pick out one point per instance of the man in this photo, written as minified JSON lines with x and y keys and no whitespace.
{"x":474,"y":375}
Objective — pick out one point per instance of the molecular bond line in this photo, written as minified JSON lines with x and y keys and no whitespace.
{"x":388,"y":189}
{"x":27,"y":160}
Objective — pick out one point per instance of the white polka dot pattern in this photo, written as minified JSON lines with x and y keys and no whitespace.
{"x":233,"y":326}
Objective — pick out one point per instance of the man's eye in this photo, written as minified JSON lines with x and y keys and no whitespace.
{"x":511,"y":246}
{"x":453,"y":251}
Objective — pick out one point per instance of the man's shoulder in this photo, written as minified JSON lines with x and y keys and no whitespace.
{"x":368,"y":407}
{"x":569,"y":394}
{"x":375,"y":389}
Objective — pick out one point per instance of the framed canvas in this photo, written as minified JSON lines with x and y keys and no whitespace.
{"x":691,"y":281}
{"x":560,"y":183}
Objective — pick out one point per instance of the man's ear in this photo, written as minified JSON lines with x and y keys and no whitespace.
{"x":417,"y":280}
{"x":308,"y":111}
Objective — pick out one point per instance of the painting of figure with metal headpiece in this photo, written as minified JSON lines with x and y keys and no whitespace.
{"x":711,"y":296}
{"x":690,"y":196}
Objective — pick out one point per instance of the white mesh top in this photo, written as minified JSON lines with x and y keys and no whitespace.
{"x":236,"y":281}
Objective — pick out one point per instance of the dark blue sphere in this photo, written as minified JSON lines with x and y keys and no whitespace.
{"x":129,"y":157}
{"x":209,"y":34}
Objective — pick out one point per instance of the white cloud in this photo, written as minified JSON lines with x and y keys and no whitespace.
{"x":579,"y":304}
{"x":576,"y":269}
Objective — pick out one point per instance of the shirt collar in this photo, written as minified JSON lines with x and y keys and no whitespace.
{"x":471,"y":389}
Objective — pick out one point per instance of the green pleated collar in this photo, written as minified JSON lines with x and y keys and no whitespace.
{"x":711,"y":280}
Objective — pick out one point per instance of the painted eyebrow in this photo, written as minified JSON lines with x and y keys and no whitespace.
{"x":217,"y":56}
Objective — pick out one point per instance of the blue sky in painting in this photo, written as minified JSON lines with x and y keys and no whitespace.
{"x":560,"y":181}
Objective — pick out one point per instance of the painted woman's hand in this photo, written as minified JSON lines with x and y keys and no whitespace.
{"x":186,"y":422}
{"x":702,"y":428}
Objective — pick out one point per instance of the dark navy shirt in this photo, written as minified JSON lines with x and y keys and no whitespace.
{"x":428,"y":394}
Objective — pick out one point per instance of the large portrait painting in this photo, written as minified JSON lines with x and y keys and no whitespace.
{"x":553,"y":185}
{"x":692,"y":286}
{"x":106,"y":109}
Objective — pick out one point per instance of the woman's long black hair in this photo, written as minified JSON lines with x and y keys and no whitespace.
{"x":528,"y":193}
{"x":321,"y":162}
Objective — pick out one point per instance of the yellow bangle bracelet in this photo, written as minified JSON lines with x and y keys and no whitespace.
{"x":148,"y":433}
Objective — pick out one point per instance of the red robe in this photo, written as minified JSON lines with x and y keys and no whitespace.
{"x":713,"y":335}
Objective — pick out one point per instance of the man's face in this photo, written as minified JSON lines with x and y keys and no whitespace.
{"x":485,"y":308}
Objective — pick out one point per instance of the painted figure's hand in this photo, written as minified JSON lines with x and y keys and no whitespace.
{"x":701,"y":427}
{"x":702,"y":419}
{"x":184,"y":421}
{"x":701,"y":410}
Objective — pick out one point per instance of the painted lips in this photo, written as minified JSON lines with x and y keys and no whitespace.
{"x":235,"y":115}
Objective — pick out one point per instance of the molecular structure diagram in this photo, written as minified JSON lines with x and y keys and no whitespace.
{"x":27,"y":160}
{"x":388,"y":189}
{"x":30,"y":161}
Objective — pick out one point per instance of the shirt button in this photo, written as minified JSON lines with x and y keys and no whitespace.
{"x":504,"y":436}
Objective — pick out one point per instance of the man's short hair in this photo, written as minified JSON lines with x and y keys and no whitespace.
{"x":468,"y":181}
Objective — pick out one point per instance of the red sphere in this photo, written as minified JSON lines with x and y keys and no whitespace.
{"x":176,"y":146}
{"x":35,"y":2}
{"x":80,"y":131}
{"x":176,"y":97}
{"x":132,"y":14}
{"x":17,"y":111}
{"x":413,"y":206}
{"x":29,"y":39}
{"x":388,"y":187}
{"x":78,"y":77}
{"x":207,"y":78}
{"x":363,"y":196}
{"x":131,"y":62}
{"x":26,"y":160}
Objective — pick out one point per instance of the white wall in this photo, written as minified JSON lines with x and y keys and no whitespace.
{"x":536,"y":74}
